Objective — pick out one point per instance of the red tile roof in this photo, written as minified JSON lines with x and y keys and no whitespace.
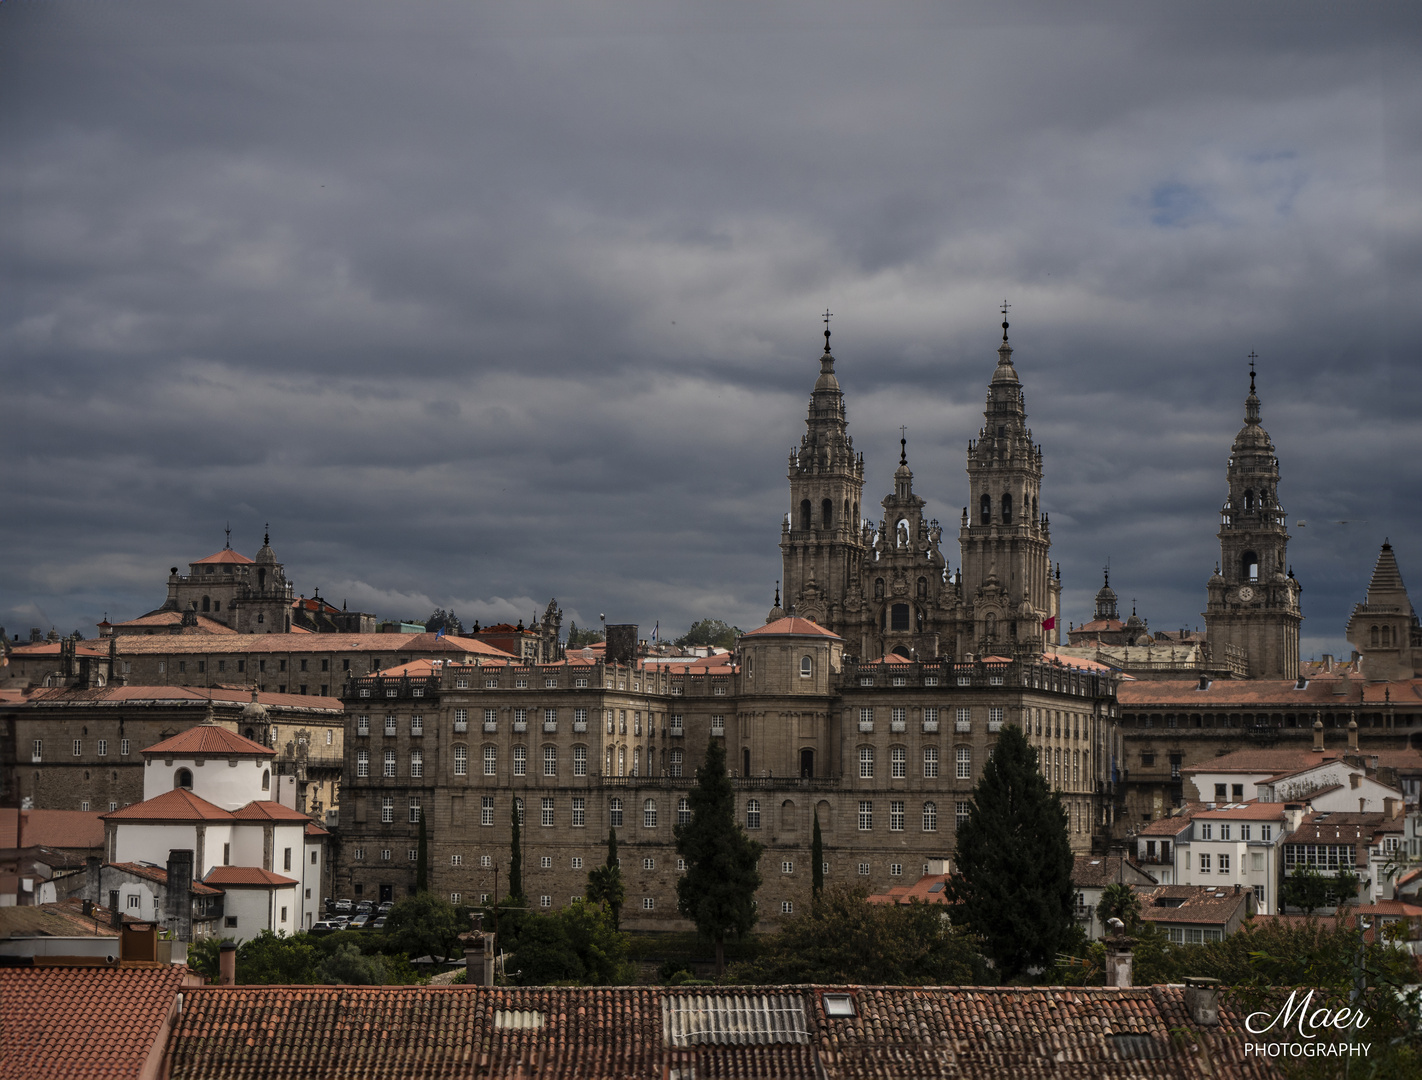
{"x":175,"y":618}
{"x":312,"y":829}
{"x":929,"y":889}
{"x":303,"y":642}
{"x":61,"y":697}
{"x":226,"y":555}
{"x":160,"y":875}
{"x":1029,"y":1033}
{"x":208,"y":740}
{"x":1199,"y":904}
{"x":50,"y":828}
{"x":176,"y":805}
{"x":83,"y":1023}
{"x":268,"y":810}
{"x":228,"y":876}
{"x":1250,"y":811}
{"x":792,"y":625}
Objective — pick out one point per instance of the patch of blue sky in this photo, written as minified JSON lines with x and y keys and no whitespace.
{"x":1177,"y":205}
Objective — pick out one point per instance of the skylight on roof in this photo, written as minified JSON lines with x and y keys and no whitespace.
{"x":839,"y":1005}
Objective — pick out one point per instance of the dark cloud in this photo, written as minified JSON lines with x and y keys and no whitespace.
{"x":482,"y":304}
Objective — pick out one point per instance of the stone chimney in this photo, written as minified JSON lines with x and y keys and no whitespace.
{"x":179,"y":906}
{"x":1318,"y":736}
{"x":1202,"y":1000}
{"x":1118,"y":960}
{"x":227,"y":963}
{"x":93,"y":883}
{"x":115,"y":915}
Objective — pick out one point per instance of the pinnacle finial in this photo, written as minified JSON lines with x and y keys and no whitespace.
{"x":267,"y":534}
{"x":1253,"y":356}
{"x":826,"y":317}
{"x":903,"y":445}
{"x":1005,"y":306}
{"x":229,"y":536}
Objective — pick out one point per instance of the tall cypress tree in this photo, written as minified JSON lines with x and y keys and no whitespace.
{"x":717,"y":892}
{"x":817,"y":860}
{"x":422,"y":859}
{"x":605,"y":882}
{"x":1014,"y":862}
{"x":516,"y":857}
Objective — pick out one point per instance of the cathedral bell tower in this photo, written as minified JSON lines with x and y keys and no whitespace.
{"x":1253,"y":602}
{"x":821,"y":548}
{"x":1007,"y":581}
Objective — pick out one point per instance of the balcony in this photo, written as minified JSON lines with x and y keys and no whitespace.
{"x":866,"y":725}
{"x":930,"y":727}
{"x":520,"y":725}
{"x":718,"y":729}
{"x":962,"y":725}
{"x":491,"y":726}
{"x":550,"y":727}
{"x":898,"y":725}
{"x":461,"y":726}
{"x":994,"y":725}
{"x":676,"y":732}
{"x":580,"y":725}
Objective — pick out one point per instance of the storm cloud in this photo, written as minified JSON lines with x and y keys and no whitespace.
{"x":480,"y":304}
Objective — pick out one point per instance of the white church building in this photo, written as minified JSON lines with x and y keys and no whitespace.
{"x":212,"y":793}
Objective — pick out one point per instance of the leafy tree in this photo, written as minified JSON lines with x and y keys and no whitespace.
{"x":710,"y":632}
{"x":578,"y":638}
{"x":422,"y":858}
{"x":1013,"y":885}
{"x":1119,"y":901}
{"x":605,"y":882}
{"x":447,"y":621}
{"x":276,"y":958}
{"x":347,"y":965}
{"x":516,"y":854}
{"x":817,"y":860}
{"x":1310,"y":890}
{"x":576,"y":944}
{"x":717,"y":892}
{"x":845,"y":939}
{"x":423,"y":925}
{"x":203,"y":956}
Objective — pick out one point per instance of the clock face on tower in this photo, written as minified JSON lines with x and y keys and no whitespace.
{"x":1246,"y":594}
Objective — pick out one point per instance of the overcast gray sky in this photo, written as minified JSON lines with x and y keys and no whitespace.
{"x":481,"y":304}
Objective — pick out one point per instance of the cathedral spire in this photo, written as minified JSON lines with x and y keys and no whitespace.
{"x":1251,"y":403}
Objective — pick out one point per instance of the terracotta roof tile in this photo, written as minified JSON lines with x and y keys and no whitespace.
{"x":50,"y":828}
{"x":1201,"y":904}
{"x":226,"y":555}
{"x":268,"y":810}
{"x":208,"y":740}
{"x":175,"y":618}
{"x":227,"y":876}
{"x":305,"y":642}
{"x":792,"y":625}
{"x":82,"y":1023}
{"x":176,"y":805}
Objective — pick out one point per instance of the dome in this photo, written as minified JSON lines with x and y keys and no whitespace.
{"x":254,"y":711}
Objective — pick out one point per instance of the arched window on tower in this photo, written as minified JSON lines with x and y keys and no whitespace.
{"x":1373,"y":637}
{"x":827,"y":512}
{"x":1249,"y":566}
{"x":1034,"y":508}
{"x":847,"y":519}
{"x":1007,"y":508}
{"x":261,"y":576}
{"x":206,"y":603}
{"x":804,"y":513}
{"x":745,"y":761}
{"x":985,"y":510}
{"x":1248,"y":499}
{"x":183,"y":778}
{"x":807,"y":763}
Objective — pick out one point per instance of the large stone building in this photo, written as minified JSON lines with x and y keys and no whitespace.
{"x":871,"y":704}
{"x":1384,"y":628}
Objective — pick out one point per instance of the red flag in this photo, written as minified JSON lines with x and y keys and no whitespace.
{"x":1049,"y":624}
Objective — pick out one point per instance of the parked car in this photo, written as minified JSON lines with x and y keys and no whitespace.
{"x":361,"y":922}
{"x":326,"y":926}
{"x":384,"y":908}
{"x":343,"y":906}
{"x":365,"y":907}
{"x":378,"y":924}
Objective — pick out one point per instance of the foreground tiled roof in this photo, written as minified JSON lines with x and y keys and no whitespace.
{"x":365,"y":1033}
{"x":268,"y":810}
{"x":82,"y":1023}
{"x":50,"y":828}
{"x":176,"y":805}
{"x":63,"y":919}
{"x":208,"y":740}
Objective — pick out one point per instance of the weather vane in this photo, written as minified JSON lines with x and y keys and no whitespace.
{"x":1005,"y":306}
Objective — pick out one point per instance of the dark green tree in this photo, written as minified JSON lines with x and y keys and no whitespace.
{"x":516,"y":854}
{"x":424,"y":925}
{"x":1014,"y":862}
{"x":576,"y":944}
{"x":845,"y":939}
{"x":817,"y":860}
{"x":346,"y":964}
{"x":447,"y":621}
{"x":578,"y":638}
{"x":1119,"y":901}
{"x":710,"y":632}
{"x":605,"y":882}
{"x":276,"y":958}
{"x":717,"y":892}
{"x":1310,"y":890}
{"x":422,"y":858}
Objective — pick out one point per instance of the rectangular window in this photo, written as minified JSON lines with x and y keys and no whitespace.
{"x":930,"y":762}
{"x":787,"y":907}
{"x":648,"y":903}
{"x":414,"y":809}
{"x":580,"y":761}
{"x":78,"y":747}
{"x":390,"y":763}
{"x":417,"y":763}
{"x":387,"y":809}
{"x":485,"y":862}
{"x":866,"y":816}
{"x":102,"y":750}
{"x":676,"y":762}
{"x":550,"y":761}
{"x":362,"y":763}
{"x":753,"y":814}
{"x":681,"y":865}
{"x":787,"y":867}
{"x":960,"y":814}
{"x":123,"y":748}
{"x":390,"y":721}
{"x":202,"y":666}
{"x":649,"y":864}
{"x":866,"y":717}
{"x":579,"y":813}
{"x":1204,"y":862}
{"x":547,"y":819}
{"x":683,"y":811}
{"x":520,"y":716}
{"x":1224,"y":864}
{"x":413,"y":854}
{"x":896,"y":816}
{"x":1244,"y":831}
{"x":1256,"y":861}
{"x":491,"y":760}
{"x":1224,"y":831}
{"x":965,"y":763}
{"x":577,"y":862}
{"x":898,"y":763}
{"x":486,"y":810}
{"x":1266,"y":833}
{"x":362,"y":725}
{"x":864,"y":869}
{"x":866,"y":763}
{"x":520,"y":767}
{"x":417,"y":725}
{"x":1205,"y":830}
{"x":896,"y":869}
{"x":461,"y":761}
{"x":286,"y":858}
